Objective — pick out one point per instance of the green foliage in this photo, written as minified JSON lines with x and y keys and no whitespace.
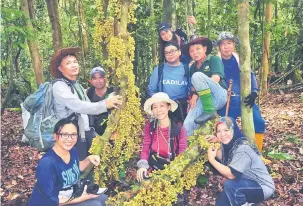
{"x":280,"y":155}
{"x":202,"y":180}
{"x":293,"y":139}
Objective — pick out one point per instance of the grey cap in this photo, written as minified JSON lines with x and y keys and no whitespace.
{"x":95,"y":70}
{"x":225,"y":35}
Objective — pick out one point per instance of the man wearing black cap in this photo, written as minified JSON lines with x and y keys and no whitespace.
{"x":98,"y":92}
{"x":70,"y":97}
{"x":208,"y":84}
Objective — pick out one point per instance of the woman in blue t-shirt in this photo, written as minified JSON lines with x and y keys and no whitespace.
{"x":59,"y":169}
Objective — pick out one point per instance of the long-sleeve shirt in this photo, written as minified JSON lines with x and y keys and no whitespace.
{"x":159,"y":140}
{"x":66,"y":102}
{"x":53,"y":175}
{"x":175,"y":82}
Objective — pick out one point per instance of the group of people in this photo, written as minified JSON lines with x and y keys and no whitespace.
{"x":182,"y":97}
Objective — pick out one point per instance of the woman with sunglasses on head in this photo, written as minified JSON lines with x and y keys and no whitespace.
{"x":248,"y":180}
{"x":59,"y":169}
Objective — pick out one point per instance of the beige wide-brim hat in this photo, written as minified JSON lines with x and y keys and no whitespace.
{"x":159,"y":97}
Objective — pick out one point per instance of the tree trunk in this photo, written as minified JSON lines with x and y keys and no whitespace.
{"x":209,"y":19}
{"x":245,"y":75}
{"x":153,"y":37}
{"x":10,"y":79}
{"x":123,"y":135}
{"x":266,"y":49}
{"x":276,"y":66}
{"x":33,"y":46}
{"x":83,"y":27}
{"x":53,"y":13}
{"x":190,"y":28}
{"x":31,"y":9}
{"x":169,"y":13}
{"x":175,"y":175}
{"x":254,"y":38}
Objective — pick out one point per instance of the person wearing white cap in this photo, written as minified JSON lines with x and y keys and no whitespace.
{"x":164,"y":138}
{"x":98,"y":92}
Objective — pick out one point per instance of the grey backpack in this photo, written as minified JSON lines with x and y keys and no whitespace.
{"x":40,"y":127}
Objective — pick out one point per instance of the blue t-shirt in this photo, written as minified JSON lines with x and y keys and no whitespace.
{"x":175,"y":82}
{"x":53,"y":175}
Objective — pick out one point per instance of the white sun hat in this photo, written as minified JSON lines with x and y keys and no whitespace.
{"x":159,"y":97}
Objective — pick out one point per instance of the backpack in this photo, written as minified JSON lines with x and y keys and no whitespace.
{"x":182,"y":35}
{"x":40,"y":127}
{"x":160,"y":76}
{"x":174,"y":134}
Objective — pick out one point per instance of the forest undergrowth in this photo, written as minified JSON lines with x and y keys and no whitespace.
{"x":283,"y":146}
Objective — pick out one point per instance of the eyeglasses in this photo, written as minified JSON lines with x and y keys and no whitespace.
{"x":66,"y":135}
{"x":171,"y":52}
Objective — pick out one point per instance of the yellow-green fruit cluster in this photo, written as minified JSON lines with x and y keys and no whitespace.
{"x":117,"y":144}
{"x":165,"y":185}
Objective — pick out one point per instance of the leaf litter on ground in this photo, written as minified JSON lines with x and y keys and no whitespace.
{"x":283,"y":145}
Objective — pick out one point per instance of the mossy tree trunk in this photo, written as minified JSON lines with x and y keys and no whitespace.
{"x":153,"y":37}
{"x":169,"y":13}
{"x":245,"y":75}
{"x":33,"y":45}
{"x":116,"y":145}
{"x":164,"y":185}
{"x":83,"y":28}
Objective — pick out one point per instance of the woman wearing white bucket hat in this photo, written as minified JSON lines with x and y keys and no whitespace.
{"x":164,"y":137}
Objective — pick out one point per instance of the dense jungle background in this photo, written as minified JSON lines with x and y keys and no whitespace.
{"x":122,"y":36}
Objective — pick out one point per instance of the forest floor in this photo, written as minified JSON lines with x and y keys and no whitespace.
{"x":283,"y":146}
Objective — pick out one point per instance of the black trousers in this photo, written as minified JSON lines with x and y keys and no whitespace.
{"x":181,"y":112}
{"x":84,"y":144}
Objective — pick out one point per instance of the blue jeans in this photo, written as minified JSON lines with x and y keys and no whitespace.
{"x":219,"y":96}
{"x":235,"y":111}
{"x":239,"y":191}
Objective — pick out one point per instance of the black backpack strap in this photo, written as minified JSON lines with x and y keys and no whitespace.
{"x":67,"y":82}
{"x":90,"y":92}
{"x":174,"y":134}
{"x":187,"y":72}
{"x":160,"y":78}
{"x":152,"y":128}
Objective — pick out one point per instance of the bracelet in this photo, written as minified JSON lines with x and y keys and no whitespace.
{"x":193,"y":92}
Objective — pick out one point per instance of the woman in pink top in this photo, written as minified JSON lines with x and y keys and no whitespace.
{"x":160,"y":135}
